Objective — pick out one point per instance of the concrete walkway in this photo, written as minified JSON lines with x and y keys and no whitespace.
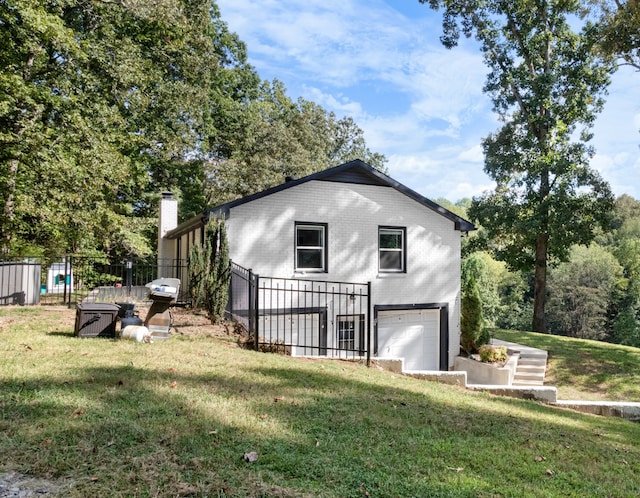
{"x":532,"y":364}
{"x":528,"y":383}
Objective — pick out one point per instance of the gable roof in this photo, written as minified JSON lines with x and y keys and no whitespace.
{"x":355,"y":171}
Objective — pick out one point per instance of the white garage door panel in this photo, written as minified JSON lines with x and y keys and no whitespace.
{"x":410,"y":334}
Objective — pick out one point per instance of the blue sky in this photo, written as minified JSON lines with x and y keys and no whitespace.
{"x":419,"y":104}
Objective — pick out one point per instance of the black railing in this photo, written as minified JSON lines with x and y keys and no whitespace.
{"x":302,"y":317}
{"x":242,"y":297}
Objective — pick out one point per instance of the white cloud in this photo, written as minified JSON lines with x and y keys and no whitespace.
{"x":439,"y":174}
{"x":338,"y":103}
{"x":473,"y":155}
{"x":337,"y":42}
{"x":421,"y":105}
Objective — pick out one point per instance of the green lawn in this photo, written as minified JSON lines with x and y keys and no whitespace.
{"x":586,"y":370}
{"x":174,"y":418}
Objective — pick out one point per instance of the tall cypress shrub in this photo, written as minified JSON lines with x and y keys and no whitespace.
{"x":210,"y":272}
{"x":472,"y":334}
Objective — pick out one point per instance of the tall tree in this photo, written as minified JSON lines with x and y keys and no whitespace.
{"x":272,"y":137}
{"x":102,"y":105}
{"x":547,"y":87}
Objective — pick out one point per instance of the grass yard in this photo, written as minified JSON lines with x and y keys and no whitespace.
{"x":101,"y":417}
{"x":586,"y":370}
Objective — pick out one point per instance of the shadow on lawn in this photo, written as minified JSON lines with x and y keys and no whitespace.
{"x":136,"y":431}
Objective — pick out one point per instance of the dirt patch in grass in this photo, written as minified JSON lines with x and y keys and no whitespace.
{"x":191,"y":323}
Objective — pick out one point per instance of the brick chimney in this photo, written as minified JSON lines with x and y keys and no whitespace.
{"x":167,"y":221}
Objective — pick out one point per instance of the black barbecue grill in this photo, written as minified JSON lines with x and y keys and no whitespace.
{"x":163,"y":293}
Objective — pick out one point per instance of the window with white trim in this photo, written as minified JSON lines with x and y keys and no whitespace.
{"x":391,"y":249}
{"x":311,"y":247}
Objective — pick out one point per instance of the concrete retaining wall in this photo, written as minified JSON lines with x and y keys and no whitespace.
{"x":486,"y":374}
{"x":622,"y":409}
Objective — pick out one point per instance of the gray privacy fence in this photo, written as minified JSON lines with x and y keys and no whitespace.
{"x":20,"y":282}
{"x":303,"y":317}
{"x":73,"y":279}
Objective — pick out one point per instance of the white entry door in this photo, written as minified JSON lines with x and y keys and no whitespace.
{"x":413,"y":335}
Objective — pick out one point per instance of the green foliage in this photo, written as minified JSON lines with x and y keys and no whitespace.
{"x":596,"y":294}
{"x":547,"y":87}
{"x":618,"y":25}
{"x":503,"y":293}
{"x":210,"y":272}
{"x":626,"y":327}
{"x":480,"y":268}
{"x":277,"y":138}
{"x":472,"y":333}
{"x":492,"y":354}
{"x":105,"y":104}
{"x":581,"y":291}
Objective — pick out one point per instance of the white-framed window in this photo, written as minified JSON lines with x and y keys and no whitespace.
{"x":392,"y":249}
{"x":311,"y":247}
{"x":350,"y":332}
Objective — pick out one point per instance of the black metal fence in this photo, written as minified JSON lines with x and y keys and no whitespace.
{"x":72,"y":279}
{"x":242,"y":303}
{"x":298,"y":317}
{"x":303,"y":317}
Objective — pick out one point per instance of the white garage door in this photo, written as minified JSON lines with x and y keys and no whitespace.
{"x":410,"y":334}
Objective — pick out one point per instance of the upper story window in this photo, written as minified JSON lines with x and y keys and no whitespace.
{"x":391,"y":249}
{"x":311,"y":247}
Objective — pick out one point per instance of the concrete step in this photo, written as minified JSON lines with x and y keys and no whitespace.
{"x":522,"y":383}
{"x":531,"y":367}
{"x":532,"y":362}
{"x":539,"y":369}
{"x":528,"y":376}
{"x":542,"y":355}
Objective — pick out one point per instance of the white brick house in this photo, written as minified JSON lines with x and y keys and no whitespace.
{"x":352,"y":223}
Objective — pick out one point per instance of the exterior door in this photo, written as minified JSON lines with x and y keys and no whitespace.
{"x":413,"y":335}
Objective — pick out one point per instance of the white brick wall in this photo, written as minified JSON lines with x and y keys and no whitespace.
{"x":261,"y":237}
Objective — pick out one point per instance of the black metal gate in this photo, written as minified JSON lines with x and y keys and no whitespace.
{"x":302,"y":317}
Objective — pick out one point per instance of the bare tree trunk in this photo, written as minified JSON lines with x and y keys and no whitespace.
{"x":540,"y":284}
{"x":542,"y":248}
